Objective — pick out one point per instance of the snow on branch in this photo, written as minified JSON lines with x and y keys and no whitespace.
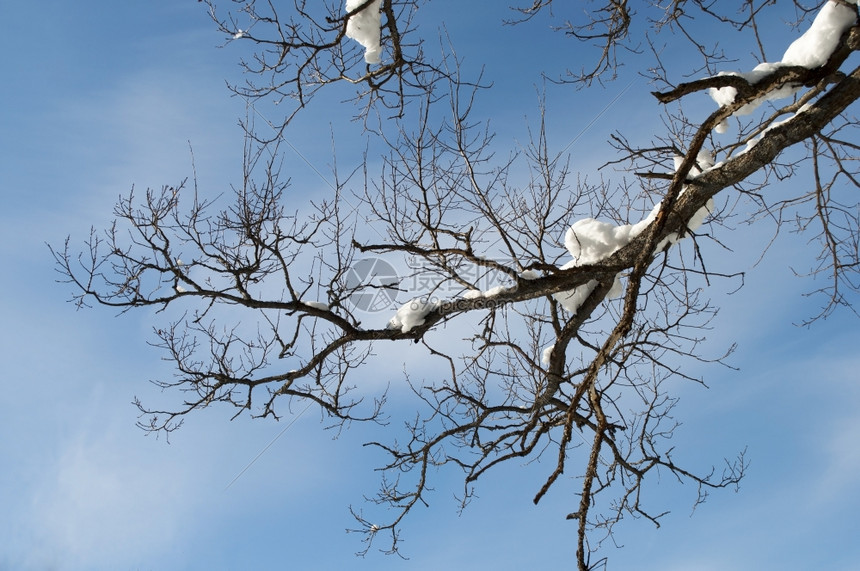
{"x":821,"y":48}
{"x":364,"y":27}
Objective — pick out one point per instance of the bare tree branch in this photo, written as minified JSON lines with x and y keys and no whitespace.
{"x":573,"y":325}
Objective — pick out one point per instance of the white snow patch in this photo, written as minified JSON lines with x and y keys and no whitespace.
{"x":699,"y":217}
{"x":494,"y":291}
{"x":669,"y":240}
{"x":180,"y":289}
{"x":817,"y":44}
{"x":617,"y":288}
{"x":726,"y":95}
{"x":529,"y":275}
{"x":546,"y":354}
{"x":316,"y":305}
{"x":412,"y":314}
{"x":811,"y":50}
{"x":239,"y":33}
{"x":571,"y":300}
{"x":364,"y":28}
{"x":704,"y":162}
{"x":589,"y":241}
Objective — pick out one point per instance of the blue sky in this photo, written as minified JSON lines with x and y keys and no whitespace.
{"x":100,"y":96}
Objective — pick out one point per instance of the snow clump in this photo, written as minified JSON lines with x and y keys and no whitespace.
{"x":546,"y":354}
{"x":726,"y":95}
{"x":817,"y":44}
{"x":590,"y":241}
{"x":364,"y":28}
{"x":412,"y":314}
{"x":810,"y":50}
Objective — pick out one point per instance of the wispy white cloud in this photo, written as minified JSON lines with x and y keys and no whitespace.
{"x":103,"y":506}
{"x":836,"y":432}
